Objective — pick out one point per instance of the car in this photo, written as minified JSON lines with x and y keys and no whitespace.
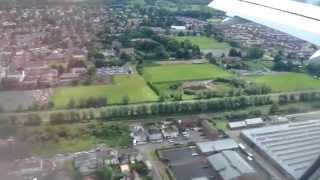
{"x":249,"y":154}
{"x":250,"y":158}
{"x":194,"y":154}
{"x":171,"y":141}
{"x":242,"y":147}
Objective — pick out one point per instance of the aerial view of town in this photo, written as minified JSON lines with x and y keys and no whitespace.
{"x":159,"y":90}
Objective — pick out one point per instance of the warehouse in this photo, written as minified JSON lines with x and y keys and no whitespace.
{"x":292,"y":148}
{"x":237,"y":125}
{"x":210,"y":147}
{"x":230,"y":166}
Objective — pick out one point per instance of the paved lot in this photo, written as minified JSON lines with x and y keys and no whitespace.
{"x":146,"y":150}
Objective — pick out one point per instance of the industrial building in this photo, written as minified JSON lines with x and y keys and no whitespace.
{"x":210,"y":147}
{"x":231,"y":166}
{"x":255,"y":122}
{"x":292,"y":148}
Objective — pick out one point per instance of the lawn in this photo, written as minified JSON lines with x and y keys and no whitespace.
{"x":287,"y":82}
{"x":183,"y":72}
{"x":221,"y":124}
{"x":203,"y":42}
{"x":132,"y":86}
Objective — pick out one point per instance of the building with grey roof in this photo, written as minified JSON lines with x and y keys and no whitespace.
{"x":237,"y":125}
{"x":292,"y":148}
{"x":216,"y":146}
{"x":231,"y":166}
{"x":254,"y":122}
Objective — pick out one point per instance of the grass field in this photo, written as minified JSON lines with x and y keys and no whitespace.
{"x":183,"y":72}
{"x":287,"y":82}
{"x":204,"y":42}
{"x":132,"y":86}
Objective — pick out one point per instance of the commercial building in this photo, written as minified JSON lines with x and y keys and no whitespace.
{"x":292,"y":148}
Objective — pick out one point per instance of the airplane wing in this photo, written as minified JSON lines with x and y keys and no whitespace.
{"x":294,"y":18}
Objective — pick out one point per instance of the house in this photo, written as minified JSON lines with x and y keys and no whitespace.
{"x":180,"y":28}
{"x":170,"y":132}
{"x":125,"y":168}
{"x":87,"y":163}
{"x":139,"y":135}
{"x":127,"y":51}
{"x":79,"y":70}
{"x":68,"y":78}
{"x":155,"y":134}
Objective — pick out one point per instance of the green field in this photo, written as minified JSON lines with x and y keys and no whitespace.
{"x":183,"y":72}
{"x":287,"y":82}
{"x":203,"y":42}
{"x":132,"y":86}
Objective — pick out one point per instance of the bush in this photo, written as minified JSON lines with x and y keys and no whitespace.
{"x":33,"y":120}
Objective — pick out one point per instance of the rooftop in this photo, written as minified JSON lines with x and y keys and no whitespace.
{"x":216,"y":146}
{"x":293,"y":147}
{"x":230,"y":165}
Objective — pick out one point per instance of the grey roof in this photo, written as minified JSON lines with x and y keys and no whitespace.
{"x":237,"y":124}
{"x":254,"y":121}
{"x":217,"y":146}
{"x":230,"y":165}
{"x":294,"y":146}
{"x":200,"y":178}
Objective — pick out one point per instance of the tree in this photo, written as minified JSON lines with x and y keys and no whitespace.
{"x":72,"y":103}
{"x":125,"y":100}
{"x":104,"y":174}
{"x":254,"y":53}
{"x":274,"y":108}
{"x":50,"y":105}
{"x":33,"y":120}
{"x":234,"y":53}
{"x":141,"y":168}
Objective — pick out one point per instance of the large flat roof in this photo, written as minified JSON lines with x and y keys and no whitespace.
{"x":217,"y":146}
{"x":294,"y":146}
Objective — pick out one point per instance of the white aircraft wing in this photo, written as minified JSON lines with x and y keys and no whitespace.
{"x":294,"y":18}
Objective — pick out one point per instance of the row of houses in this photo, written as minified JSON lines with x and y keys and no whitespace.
{"x":142,"y":135}
{"x":40,"y":75}
{"x":250,"y":34}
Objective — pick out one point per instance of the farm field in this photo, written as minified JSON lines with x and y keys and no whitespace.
{"x":183,"y":72}
{"x":132,"y":86}
{"x":287,"y":82}
{"x":203,"y":42}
